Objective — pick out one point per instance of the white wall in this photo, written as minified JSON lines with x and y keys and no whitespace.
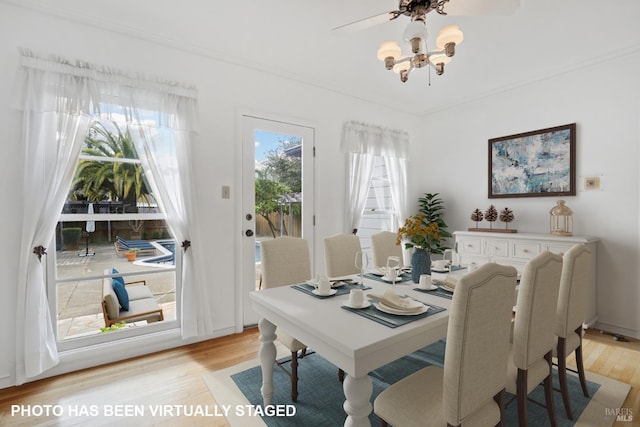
{"x":603,"y":100}
{"x":224,"y":91}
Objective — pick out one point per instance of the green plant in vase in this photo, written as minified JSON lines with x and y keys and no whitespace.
{"x":432,"y":207}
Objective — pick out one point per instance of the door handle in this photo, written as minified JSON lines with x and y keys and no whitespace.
{"x":248,"y":233}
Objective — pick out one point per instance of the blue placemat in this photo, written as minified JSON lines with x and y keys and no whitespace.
{"x":342,"y":290}
{"x":439,"y":292}
{"x":392,"y":320}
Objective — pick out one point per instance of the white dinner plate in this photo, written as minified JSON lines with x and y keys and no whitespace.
{"x":331,"y":292}
{"x":426,"y":288}
{"x":446,"y":288}
{"x":357,"y":307}
{"x":380,"y":306}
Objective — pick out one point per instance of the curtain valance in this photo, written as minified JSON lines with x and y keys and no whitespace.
{"x":363,"y":138}
{"x":78,"y":87}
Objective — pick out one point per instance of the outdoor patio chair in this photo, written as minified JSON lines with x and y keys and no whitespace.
{"x":131,"y":302}
{"x":143,"y":246}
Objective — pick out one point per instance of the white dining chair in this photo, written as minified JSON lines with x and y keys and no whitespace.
{"x":469,"y":390}
{"x":340,"y":254}
{"x":383,"y":245}
{"x":533,"y":333}
{"x":285,"y":261}
{"x":572,"y":301}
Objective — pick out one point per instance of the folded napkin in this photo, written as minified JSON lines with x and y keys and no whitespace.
{"x":448,"y":282}
{"x":393,"y":300}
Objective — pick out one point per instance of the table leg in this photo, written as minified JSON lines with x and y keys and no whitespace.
{"x":267,"y":354}
{"x":357,"y":405}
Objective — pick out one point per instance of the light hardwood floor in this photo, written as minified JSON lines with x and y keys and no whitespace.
{"x":174,"y":377}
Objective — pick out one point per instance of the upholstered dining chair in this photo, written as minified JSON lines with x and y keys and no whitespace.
{"x":533,"y":332}
{"x":572,"y":300}
{"x":469,"y":390}
{"x":285,"y":261}
{"x":340,"y":254}
{"x":383,"y":245}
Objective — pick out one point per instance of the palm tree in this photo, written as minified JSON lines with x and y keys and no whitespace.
{"x":108,"y":180}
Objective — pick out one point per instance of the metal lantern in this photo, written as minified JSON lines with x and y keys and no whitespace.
{"x":561,"y":219}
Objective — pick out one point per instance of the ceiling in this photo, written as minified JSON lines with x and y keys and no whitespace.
{"x":293,"y":39}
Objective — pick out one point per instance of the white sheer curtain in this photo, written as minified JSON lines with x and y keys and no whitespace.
{"x":397,"y":169}
{"x":54,"y":125}
{"x":170,"y":166}
{"x":362,"y":143}
{"x":58,"y":98}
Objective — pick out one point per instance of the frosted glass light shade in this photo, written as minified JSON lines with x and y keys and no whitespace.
{"x":405,"y":65}
{"x":439,"y":58}
{"x":415,"y":29}
{"x":450,"y":34}
{"x":389,"y":49}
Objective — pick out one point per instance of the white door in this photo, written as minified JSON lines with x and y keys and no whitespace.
{"x":277,"y":193}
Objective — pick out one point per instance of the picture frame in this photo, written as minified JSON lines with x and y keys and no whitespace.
{"x":540,"y":163}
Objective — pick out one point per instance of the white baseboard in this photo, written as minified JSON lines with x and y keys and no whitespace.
{"x":6,"y":381}
{"x":617,"y":330}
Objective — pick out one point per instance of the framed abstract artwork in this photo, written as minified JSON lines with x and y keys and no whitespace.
{"x":534,"y":164}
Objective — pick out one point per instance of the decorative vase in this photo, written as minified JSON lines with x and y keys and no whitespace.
{"x":420,"y":263}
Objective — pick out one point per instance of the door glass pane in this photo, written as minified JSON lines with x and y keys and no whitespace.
{"x":278,"y":187}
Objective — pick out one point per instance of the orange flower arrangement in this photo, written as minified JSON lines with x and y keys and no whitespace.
{"x":418,"y":233}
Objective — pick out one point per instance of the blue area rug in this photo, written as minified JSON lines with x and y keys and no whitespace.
{"x":321,"y":397}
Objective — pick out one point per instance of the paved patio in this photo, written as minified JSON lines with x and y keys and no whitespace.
{"x":79,"y":302}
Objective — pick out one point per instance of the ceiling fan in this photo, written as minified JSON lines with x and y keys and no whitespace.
{"x":416,"y":32}
{"x":418,"y":9}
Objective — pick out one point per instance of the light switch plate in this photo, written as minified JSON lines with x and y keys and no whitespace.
{"x":226,"y":192}
{"x":592,"y":183}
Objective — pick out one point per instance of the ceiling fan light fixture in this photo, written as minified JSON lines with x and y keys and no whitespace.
{"x":416,"y":35}
{"x":415,"y":29}
{"x":447,"y":35}
{"x":439,"y":58}
{"x":403,"y":68}
{"x":388,"y":53}
{"x":405,"y":65}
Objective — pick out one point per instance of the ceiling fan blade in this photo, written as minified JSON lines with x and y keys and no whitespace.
{"x":481,"y":7}
{"x":361,"y":24}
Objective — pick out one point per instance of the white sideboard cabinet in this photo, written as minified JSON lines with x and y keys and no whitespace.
{"x":517,"y":248}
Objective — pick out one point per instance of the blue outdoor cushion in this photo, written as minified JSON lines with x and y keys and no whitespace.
{"x":121,"y":292}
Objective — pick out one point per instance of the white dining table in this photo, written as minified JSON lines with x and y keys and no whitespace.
{"x":351,"y":342}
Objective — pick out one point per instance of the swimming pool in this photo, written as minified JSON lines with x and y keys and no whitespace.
{"x":167,"y":257}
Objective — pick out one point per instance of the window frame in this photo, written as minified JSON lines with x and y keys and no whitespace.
{"x":52,"y":281}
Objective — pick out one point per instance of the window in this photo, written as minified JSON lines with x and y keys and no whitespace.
{"x":378,"y":213}
{"x":376,"y":179}
{"x":111,"y":203}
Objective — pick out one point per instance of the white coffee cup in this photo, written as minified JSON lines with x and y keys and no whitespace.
{"x":391,"y":274}
{"x":473,"y":266}
{"x":440,"y":264}
{"x":425,"y":281}
{"x":324,"y":286}
{"x":356,"y":298}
